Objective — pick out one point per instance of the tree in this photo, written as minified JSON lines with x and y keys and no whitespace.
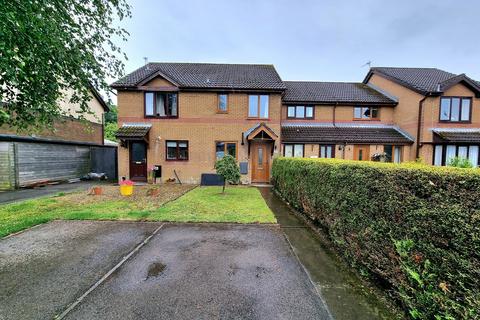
{"x":110,"y":130}
{"x":227,"y":167}
{"x":50,"y":46}
{"x":112,"y":114}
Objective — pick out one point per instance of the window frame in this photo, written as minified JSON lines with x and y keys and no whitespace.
{"x":177,"y":150}
{"x":225,"y":148}
{"x":218,"y":102}
{"x":459,"y":111}
{"x":333,"y":146}
{"x":444,"y":146}
{"x":377,"y":118}
{"x":167,"y":103}
{"x":305,"y":112}
{"x":293,"y":150}
{"x":258,"y":95}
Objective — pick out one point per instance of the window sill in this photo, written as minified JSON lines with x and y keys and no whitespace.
{"x":455,"y":122}
{"x":222,"y":112}
{"x":176,"y":160}
{"x":253,"y":118}
{"x":376,"y":119}
{"x":153,"y":117}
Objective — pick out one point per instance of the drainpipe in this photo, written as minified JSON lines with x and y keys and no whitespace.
{"x":335,"y":113}
{"x":419,"y":125}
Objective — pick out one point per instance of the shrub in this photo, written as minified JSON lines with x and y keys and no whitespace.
{"x":414,"y":229}
{"x":460,"y":162}
{"x":227,"y":167}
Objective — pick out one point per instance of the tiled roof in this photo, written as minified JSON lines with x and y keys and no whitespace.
{"x":458,"y":135}
{"x":208,"y":76}
{"x":343,"y":133}
{"x":133,"y":131}
{"x":331,"y":92}
{"x":422,"y":80}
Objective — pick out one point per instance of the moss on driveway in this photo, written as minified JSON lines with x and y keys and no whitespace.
{"x":202,"y":204}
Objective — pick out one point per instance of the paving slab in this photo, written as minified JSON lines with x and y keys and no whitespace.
{"x":46,"y":268}
{"x":208,"y":271}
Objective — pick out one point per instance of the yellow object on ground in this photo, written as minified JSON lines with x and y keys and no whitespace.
{"x":126,"y":190}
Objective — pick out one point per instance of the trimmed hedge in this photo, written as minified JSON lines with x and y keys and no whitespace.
{"x":414,"y":229}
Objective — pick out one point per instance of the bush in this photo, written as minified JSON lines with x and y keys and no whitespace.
{"x":460,"y":162}
{"x":227,"y":167}
{"x":413,"y":229}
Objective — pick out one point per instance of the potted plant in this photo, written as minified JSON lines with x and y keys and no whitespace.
{"x":126,"y":187}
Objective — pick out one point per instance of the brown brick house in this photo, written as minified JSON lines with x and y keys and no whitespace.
{"x":185,"y":116}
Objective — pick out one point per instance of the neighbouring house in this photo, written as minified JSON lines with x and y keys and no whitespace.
{"x":182,"y":117}
{"x":66,"y":152}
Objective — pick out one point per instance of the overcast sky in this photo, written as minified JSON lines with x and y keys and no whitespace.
{"x":308,"y":40}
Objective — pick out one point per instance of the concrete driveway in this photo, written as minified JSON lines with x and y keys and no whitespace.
{"x":183,"y":271}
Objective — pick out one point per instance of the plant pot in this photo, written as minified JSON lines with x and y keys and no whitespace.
{"x":97,"y":191}
{"x":126,"y":190}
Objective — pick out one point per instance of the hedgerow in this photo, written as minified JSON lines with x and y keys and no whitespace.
{"x":414,"y":229}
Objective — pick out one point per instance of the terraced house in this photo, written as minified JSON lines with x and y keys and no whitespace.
{"x":182,"y":117}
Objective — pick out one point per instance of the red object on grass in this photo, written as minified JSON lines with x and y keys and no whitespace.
{"x":126,"y":183}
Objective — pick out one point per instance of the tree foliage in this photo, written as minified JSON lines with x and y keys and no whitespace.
{"x":227,"y":167}
{"x":50,"y":46}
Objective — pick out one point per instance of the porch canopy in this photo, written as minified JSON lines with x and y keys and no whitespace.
{"x":452,"y":135}
{"x":260,"y":132}
{"x":133,"y":132}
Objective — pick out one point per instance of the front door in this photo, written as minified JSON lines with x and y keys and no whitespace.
{"x":361,"y":152}
{"x":138,"y":161}
{"x":260,"y":161}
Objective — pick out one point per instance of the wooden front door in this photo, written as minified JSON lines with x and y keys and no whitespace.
{"x":261,"y":153}
{"x":138,"y":161}
{"x":361,"y":152}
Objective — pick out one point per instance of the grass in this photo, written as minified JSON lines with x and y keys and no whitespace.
{"x":202,"y":204}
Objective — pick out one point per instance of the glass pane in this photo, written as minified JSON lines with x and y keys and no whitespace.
{"x":388,"y":149}
{"x":455,"y":110}
{"x":465,"y":116}
{"x":253,"y":106}
{"x":463,"y":152}
{"x":138,"y":152}
{"x":444,"y":109}
{"x":298,"y":151}
{"x":300,"y":112}
{"x":171,"y":150}
{"x":149,"y":103}
{"x":398,"y":155}
{"x":438,"y":155}
{"x":309,"y":112}
{"x":222,"y":102}
{"x":172,"y":103}
{"x":183,"y":150}
{"x":260,"y":156}
{"x":160,"y":98}
{"x":220,"y":150}
{"x":232,"y":149}
{"x":329,"y":152}
{"x":360,"y":154}
{"x":288,"y":150}
{"x":374,"y":112}
{"x":473,"y":155}
{"x":357,"y":113}
{"x":451,"y":150}
{"x":366,"y":113}
{"x":263,"y":106}
{"x":323,"y":151}
{"x":291,"y":112}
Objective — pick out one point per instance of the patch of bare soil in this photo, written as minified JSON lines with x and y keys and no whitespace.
{"x":147,"y":196}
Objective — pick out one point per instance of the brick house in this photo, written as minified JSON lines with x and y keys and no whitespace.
{"x":185,"y":116}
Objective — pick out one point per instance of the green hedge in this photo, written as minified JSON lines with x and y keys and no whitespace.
{"x":414,"y":229}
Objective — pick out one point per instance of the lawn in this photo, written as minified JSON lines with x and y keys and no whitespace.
{"x":202,"y":204}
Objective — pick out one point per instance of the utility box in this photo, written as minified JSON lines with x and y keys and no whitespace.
{"x":244,"y":167}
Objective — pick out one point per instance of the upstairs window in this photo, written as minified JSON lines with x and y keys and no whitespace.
{"x":455,"y":109}
{"x":177,"y":150}
{"x":365,"y":113}
{"x":300,"y":112}
{"x":161,"y":105}
{"x":258,"y":106}
{"x":222,"y":103}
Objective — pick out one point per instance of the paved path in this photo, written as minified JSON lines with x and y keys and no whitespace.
{"x":184,"y":271}
{"x":24,"y":194}
{"x":345,"y":295}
